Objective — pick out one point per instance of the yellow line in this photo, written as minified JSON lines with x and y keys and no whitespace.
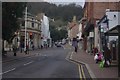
{"x":83,"y":72}
{"x":80,"y":72}
{"x":80,"y":67}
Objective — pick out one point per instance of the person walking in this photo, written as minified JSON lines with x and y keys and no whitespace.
{"x":75,"y":44}
{"x":27,"y":49}
{"x":14,"y":49}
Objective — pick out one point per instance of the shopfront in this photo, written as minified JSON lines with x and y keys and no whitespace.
{"x":115,"y":31}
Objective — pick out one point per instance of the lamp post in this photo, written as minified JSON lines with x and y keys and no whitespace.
{"x":25,"y":27}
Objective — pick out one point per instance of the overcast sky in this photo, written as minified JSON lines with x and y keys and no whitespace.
{"x":79,"y":2}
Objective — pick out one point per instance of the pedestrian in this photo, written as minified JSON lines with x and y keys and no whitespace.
{"x":33,"y":46}
{"x":27,"y":49}
{"x":107,"y":56}
{"x":95,"y":50}
{"x":98,"y":57}
{"x":14,"y":49}
{"x":41,"y":46}
{"x":21,"y":47}
{"x":75,"y":44}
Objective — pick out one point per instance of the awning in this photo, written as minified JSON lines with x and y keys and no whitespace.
{"x":113,"y":31}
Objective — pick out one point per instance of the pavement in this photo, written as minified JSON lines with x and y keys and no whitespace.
{"x":93,"y":68}
{"x":9,"y":56}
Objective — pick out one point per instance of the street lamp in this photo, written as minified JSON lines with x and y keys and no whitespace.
{"x":25,"y":27}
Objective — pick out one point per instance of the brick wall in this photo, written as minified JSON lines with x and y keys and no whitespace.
{"x":99,"y":8}
{"x":96,"y":10}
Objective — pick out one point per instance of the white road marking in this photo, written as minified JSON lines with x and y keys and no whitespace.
{"x":8,"y":71}
{"x":28,"y":63}
{"x":71,"y":55}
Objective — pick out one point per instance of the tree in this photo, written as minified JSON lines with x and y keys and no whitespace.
{"x":62,"y":12}
{"x":11,"y":11}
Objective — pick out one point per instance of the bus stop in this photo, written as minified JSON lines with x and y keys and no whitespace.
{"x":115,"y":31}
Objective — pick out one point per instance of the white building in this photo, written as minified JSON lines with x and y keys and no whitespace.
{"x":113,"y":20}
{"x":45,"y":32}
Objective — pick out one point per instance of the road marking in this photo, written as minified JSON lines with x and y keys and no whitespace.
{"x":79,"y":67}
{"x":83,"y":72}
{"x":71,"y":55}
{"x":8,"y":71}
{"x":80,"y":72}
{"x":28,"y":63}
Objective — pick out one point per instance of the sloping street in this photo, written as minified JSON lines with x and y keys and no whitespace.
{"x":51,"y":63}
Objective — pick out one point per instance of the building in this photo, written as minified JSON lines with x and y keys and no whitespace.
{"x":109,"y":21}
{"x":33,"y":32}
{"x":93,"y":12}
{"x":73,"y":29}
{"x":45,"y":32}
{"x":114,"y":31}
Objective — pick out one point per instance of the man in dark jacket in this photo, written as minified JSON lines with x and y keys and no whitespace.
{"x":107,"y":55}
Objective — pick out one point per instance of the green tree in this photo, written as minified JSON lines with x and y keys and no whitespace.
{"x":11,"y":11}
{"x":62,"y":12}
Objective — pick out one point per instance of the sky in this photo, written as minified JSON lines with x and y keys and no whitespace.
{"x":78,"y":2}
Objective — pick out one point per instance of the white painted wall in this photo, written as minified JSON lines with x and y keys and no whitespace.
{"x":113,"y":21}
{"x":45,"y":29}
{"x":80,"y":31}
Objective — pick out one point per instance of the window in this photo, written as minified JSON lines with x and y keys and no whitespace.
{"x":32,"y":24}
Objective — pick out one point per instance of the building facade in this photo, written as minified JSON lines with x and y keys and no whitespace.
{"x":45,"y":32}
{"x":73,"y":29}
{"x":93,"y":12}
{"x":33,"y":33}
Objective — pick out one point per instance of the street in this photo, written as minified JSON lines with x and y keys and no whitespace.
{"x":60,"y":40}
{"x":50,"y":63}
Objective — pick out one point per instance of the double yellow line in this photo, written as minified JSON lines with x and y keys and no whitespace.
{"x":80,"y":67}
{"x":81,"y":72}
